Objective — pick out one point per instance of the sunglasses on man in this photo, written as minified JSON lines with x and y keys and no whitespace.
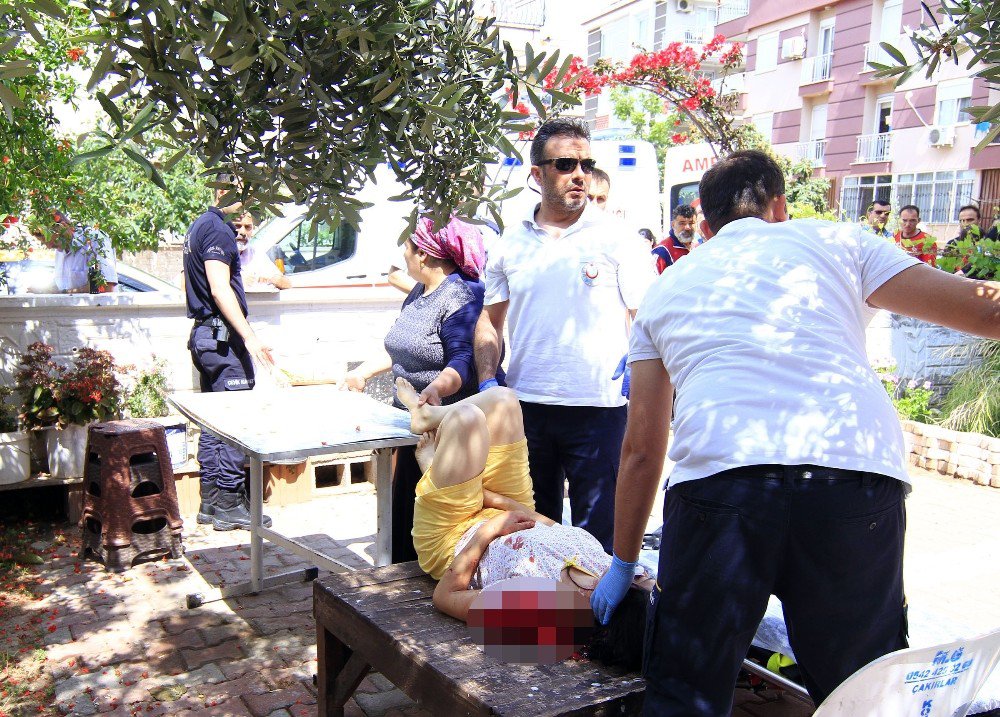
{"x":568,"y":164}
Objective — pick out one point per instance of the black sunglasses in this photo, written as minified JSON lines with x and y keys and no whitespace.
{"x":568,"y":164}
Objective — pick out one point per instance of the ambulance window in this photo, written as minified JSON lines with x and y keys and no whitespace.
{"x":683,"y":194}
{"x":299,"y":252}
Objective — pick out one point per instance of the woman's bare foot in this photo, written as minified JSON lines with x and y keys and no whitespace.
{"x":421,"y":417}
{"x":425,"y":450}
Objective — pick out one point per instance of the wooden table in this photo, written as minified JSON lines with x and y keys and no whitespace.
{"x":382,"y":619}
{"x":295,"y":423}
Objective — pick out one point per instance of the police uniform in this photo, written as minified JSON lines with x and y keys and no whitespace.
{"x":218,"y":352}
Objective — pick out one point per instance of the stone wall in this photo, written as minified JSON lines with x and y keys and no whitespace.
{"x":970,"y":456}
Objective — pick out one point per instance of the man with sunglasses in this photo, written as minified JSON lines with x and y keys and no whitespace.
{"x":567,"y":275}
{"x":878,"y":216}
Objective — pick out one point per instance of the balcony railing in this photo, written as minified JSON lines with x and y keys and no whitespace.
{"x":736,"y":82}
{"x":875,"y":53}
{"x":813,"y":150}
{"x":732,"y":9}
{"x":874,"y":147}
{"x":689,"y":34}
{"x":817,"y":69}
{"x":524,"y":13}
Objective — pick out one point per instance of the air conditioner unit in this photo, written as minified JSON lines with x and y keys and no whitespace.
{"x":684,"y":6}
{"x":941,"y":136}
{"x":793,"y":48}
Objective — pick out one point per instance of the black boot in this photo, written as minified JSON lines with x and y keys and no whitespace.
{"x":233,"y":511}
{"x":209,"y":494}
{"x":245,"y":498}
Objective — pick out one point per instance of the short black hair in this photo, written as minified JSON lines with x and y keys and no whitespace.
{"x":619,"y":643}
{"x":601,"y":176}
{"x":878,"y":200}
{"x":558,"y":127}
{"x":647,"y":234}
{"x":914,"y":207}
{"x":683,"y":210}
{"x":739,"y":186}
{"x":973,"y":207}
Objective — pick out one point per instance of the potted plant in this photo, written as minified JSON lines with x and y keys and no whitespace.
{"x":67,"y":399}
{"x":146,"y":398}
{"x":15,"y":459}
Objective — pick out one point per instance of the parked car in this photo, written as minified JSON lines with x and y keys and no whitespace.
{"x":35,"y":276}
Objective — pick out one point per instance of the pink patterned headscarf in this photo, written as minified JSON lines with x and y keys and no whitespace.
{"x":458,"y":242}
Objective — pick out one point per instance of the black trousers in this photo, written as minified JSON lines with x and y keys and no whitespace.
{"x":222,"y":366}
{"x":581,"y":444}
{"x":405,"y":477}
{"x":828,"y":543}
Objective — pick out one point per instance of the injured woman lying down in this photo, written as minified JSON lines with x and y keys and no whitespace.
{"x":474,"y":522}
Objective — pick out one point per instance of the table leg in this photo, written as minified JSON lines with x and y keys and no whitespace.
{"x":383,"y":497}
{"x":256,"y":521}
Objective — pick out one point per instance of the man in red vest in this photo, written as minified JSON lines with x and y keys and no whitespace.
{"x":678,"y":242}
{"x":913,"y":241}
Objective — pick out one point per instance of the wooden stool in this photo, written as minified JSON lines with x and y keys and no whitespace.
{"x":129,"y":502}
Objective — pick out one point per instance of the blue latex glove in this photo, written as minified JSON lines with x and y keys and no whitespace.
{"x":488,"y":383}
{"x":612,"y":588}
{"x":623,"y":370}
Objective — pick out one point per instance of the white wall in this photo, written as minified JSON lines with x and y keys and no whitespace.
{"x":313,"y":331}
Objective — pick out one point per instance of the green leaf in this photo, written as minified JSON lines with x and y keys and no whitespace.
{"x":84,"y":157}
{"x":111,"y":110}
{"x":9,"y":44}
{"x":151,"y":173}
{"x":387,"y":90}
{"x":49,"y":8}
{"x":10,"y":102}
{"x":893,"y":52}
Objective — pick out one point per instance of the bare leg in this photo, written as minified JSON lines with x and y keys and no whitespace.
{"x":461,"y":447}
{"x":499,"y":405}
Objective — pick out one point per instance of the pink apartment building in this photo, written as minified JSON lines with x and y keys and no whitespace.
{"x":808,"y":87}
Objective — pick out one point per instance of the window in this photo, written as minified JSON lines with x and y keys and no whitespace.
{"x":767,"y":52}
{"x":301,"y":252}
{"x":938,"y":194}
{"x":614,"y":40}
{"x":952,"y":98}
{"x":858,"y":192}
{"x":882,"y":119}
{"x":764,"y":124}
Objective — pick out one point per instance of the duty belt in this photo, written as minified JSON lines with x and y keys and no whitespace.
{"x":213,"y":321}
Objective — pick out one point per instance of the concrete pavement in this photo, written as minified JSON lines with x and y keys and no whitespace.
{"x":125,"y":645}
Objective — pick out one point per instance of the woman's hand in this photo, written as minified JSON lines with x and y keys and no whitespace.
{"x":354,"y":380}
{"x":509,"y":522}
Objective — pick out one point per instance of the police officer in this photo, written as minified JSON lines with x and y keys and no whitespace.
{"x":222,"y":345}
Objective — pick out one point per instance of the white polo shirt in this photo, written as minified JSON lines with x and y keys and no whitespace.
{"x":762,"y":330}
{"x":88,"y":245}
{"x":568,"y":299}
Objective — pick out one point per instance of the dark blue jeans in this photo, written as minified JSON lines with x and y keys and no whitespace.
{"x":222,"y":366}
{"x":581,"y":444}
{"x":828,"y":543}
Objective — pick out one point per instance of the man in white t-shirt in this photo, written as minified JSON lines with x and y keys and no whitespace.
{"x":255,"y":266}
{"x":567,"y":277}
{"x":790,"y":471}
{"x":85,"y":259}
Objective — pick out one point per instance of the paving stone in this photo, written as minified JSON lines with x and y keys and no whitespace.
{"x":81,"y":704}
{"x":221,"y":633}
{"x":381,"y":683}
{"x":264,"y":704}
{"x":209,"y":674}
{"x":225,"y":652}
{"x":280,"y":713}
{"x":379,"y":702}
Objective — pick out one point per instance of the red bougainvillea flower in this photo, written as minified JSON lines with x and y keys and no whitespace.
{"x":74,"y":54}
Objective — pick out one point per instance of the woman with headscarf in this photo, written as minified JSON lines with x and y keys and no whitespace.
{"x":430,"y":345}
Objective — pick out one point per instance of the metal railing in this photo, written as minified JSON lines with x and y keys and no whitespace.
{"x":732,"y":9}
{"x":874,"y":147}
{"x":813,"y":150}
{"x":736,"y":82}
{"x":689,"y":34}
{"x":523,"y":13}
{"x":817,"y":68}
{"x":875,"y":53}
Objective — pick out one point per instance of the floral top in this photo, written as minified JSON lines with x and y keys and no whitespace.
{"x":541,"y":552}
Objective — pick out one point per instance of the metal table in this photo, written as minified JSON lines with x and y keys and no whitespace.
{"x":295,"y":423}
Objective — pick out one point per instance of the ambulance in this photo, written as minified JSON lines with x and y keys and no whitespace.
{"x":683,"y":167}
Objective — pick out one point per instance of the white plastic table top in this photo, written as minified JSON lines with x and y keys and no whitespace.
{"x":297,"y":422}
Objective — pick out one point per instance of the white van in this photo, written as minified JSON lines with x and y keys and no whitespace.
{"x":683,"y":167}
{"x":340,"y":257}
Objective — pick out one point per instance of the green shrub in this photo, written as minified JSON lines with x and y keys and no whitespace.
{"x":147,"y":399}
{"x":973,"y":403}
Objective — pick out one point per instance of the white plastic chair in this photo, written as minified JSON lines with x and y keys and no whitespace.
{"x":938,"y":681}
